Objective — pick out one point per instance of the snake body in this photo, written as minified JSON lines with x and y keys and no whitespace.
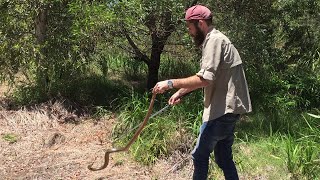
{"x":135,"y":136}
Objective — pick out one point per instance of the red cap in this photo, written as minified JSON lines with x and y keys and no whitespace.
{"x":198,"y":12}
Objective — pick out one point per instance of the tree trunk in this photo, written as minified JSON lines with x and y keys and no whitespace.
{"x":159,"y":39}
{"x":40,"y":26}
{"x":154,"y":63}
{"x":152,"y":76}
{"x":153,"y":68}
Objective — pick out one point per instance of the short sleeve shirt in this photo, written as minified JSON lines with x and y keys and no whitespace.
{"x":221,"y":66}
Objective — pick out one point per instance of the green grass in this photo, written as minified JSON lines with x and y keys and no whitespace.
{"x":9,"y":137}
{"x":276,"y":156}
{"x":260,"y":159}
{"x":264,"y":157}
{"x":274,"y":147}
{"x":273,"y":142}
{"x":293,"y":151}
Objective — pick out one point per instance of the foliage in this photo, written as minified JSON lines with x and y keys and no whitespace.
{"x":53,"y":52}
{"x":278,"y":41}
{"x":302,"y":158}
{"x":89,"y":51}
{"x":76,"y":34}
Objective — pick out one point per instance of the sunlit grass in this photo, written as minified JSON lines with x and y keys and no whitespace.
{"x":281,"y":148}
{"x":271,"y":143}
{"x":275,"y":143}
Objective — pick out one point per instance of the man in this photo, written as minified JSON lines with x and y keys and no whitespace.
{"x":226,"y":94}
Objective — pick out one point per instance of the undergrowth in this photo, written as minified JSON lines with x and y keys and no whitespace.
{"x":277,"y":141}
{"x":271,"y":147}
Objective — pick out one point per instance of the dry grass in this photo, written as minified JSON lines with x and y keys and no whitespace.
{"x":52,"y":141}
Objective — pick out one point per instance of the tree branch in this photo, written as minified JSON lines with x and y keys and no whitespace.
{"x":141,"y":56}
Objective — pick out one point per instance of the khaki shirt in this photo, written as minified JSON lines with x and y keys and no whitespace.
{"x":221,"y":66}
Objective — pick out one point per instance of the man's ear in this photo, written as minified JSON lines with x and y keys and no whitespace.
{"x":202,"y":23}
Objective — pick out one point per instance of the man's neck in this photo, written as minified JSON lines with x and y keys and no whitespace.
{"x":208,"y":29}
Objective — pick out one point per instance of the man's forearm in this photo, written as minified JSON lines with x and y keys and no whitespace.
{"x":190,"y":83}
{"x":184,"y":84}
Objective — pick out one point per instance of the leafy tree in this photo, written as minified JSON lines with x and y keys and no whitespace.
{"x":50,"y":42}
{"x":146,"y":27}
{"x":57,"y":37}
{"x":279,"y":42}
{"x":53,"y":42}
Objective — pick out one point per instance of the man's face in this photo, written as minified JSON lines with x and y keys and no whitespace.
{"x":196,"y":33}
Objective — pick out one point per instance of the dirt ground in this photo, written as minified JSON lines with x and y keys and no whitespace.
{"x":50,"y":143}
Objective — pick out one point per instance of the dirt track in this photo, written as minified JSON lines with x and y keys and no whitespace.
{"x":47,"y":149}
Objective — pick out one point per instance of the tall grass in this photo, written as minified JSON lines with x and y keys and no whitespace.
{"x":271,"y":143}
{"x":98,"y":85}
{"x":297,"y":141}
{"x":260,"y":143}
{"x":125,"y":67}
{"x":166,"y":132}
{"x":304,"y":152}
{"x":175,"y":68}
{"x":162,"y":134}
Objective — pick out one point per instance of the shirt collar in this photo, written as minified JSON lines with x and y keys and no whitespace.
{"x":211,"y":28}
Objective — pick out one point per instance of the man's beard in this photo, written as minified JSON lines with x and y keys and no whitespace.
{"x":199,"y":37}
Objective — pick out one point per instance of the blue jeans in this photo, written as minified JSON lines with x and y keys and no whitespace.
{"x":218,"y":136}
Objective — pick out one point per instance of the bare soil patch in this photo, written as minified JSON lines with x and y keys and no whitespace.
{"x":47,"y":144}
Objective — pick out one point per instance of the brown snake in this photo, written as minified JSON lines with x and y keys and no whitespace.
{"x":135,"y":136}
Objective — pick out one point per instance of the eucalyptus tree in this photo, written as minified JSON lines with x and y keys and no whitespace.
{"x":51,"y":39}
{"x":145,"y":27}
{"x":50,"y":42}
